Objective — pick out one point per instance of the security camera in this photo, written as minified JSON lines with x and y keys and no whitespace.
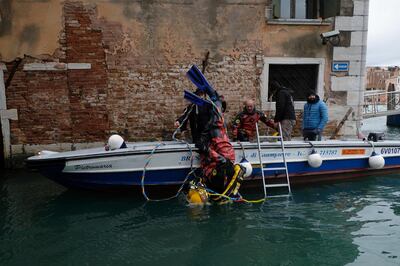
{"x":330,"y":34}
{"x":331,"y":37}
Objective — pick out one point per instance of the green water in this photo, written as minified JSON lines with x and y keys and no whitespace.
{"x":333,"y":224}
{"x":347,"y":223}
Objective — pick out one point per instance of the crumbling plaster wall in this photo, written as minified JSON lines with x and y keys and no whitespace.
{"x":29,"y":27}
{"x":139,"y":52}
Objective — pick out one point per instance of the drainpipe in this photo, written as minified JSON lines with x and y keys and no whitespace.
{"x":5,"y":115}
{"x":5,"y":125}
{"x":362,"y":67}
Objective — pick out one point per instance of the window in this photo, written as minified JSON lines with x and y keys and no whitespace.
{"x":301,"y":78}
{"x":301,"y":75}
{"x":305,"y":9}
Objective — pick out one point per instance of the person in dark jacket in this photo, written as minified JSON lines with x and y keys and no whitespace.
{"x":244,"y":124}
{"x":315,"y":117}
{"x":284,"y":113}
{"x":196,"y":116}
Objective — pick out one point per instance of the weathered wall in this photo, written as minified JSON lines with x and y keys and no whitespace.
{"x":43,"y":107}
{"x":29,"y":27}
{"x":139,"y":52}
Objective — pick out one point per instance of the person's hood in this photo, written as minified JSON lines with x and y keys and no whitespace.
{"x":313,"y":101}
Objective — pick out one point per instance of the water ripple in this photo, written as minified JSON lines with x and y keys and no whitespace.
{"x":336,"y":224}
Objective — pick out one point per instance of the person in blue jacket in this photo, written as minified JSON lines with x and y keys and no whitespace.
{"x":315,"y":117}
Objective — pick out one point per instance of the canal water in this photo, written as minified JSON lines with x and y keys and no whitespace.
{"x":347,"y":223}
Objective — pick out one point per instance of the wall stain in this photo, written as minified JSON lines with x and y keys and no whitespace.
{"x":212,"y":8}
{"x":30,"y":34}
{"x":191,"y":26}
{"x":147,"y":13}
{"x":6,"y":16}
{"x":304,"y":46}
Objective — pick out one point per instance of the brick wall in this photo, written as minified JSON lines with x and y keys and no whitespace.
{"x":63,"y":106}
{"x":87,"y":89}
{"x":137,"y":76}
{"x":42,"y":101}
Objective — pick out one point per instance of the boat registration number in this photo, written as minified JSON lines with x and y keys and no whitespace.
{"x":353,"y":151}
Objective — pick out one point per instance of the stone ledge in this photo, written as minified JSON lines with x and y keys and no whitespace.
{"x":284,"y":21}
{"x":31,"y":149}
{"x":9,"y":114}
{"x":55,"y":66}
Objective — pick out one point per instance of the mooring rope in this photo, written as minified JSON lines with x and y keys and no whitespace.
{"x":144,"y":175}
{"x":191,"y":172}
{"x":233,"y":199}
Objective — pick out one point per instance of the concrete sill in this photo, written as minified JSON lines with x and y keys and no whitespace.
{"x":291,"y":21}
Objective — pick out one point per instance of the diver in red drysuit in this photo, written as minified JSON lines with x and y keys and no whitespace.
{"x":216,"y":152}
{"x":217,"y":155}
{"x":244,"y":124}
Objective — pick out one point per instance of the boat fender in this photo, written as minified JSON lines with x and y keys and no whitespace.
{"x":247,"y":165}
{"x":314,"y":159}
{"x":116,"y":142}
{"x":376,"y":161}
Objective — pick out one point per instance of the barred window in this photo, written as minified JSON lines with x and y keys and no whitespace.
{"x":300,"y":74}
{"x":300,"y":78}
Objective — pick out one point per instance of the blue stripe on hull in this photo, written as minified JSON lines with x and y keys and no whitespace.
{"x":176,"y":176}
{"x":99,"y":180}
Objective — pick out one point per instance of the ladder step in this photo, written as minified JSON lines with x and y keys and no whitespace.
{"x":280,"y":196}
{"x":275,"y":168}
{"x":270,"y":137}
{"x":263,"y":169}
{"x":278,"y":185}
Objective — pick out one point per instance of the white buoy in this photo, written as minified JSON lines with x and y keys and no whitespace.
{"x":314,"y":159}
{"x":376,"y":161}
{"x":247,"y":165}
{"x":116,"y":142}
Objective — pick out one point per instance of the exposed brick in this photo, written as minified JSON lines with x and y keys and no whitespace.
{"x":134,"y":87}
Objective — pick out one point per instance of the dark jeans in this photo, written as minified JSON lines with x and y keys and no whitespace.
{"x":242,"y":136}
{"x":311,"y":134}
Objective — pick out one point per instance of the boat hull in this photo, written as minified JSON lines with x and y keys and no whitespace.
{"x":168,"y":165}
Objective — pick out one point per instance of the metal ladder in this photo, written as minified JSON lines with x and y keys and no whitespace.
{"x":265,"y":185}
